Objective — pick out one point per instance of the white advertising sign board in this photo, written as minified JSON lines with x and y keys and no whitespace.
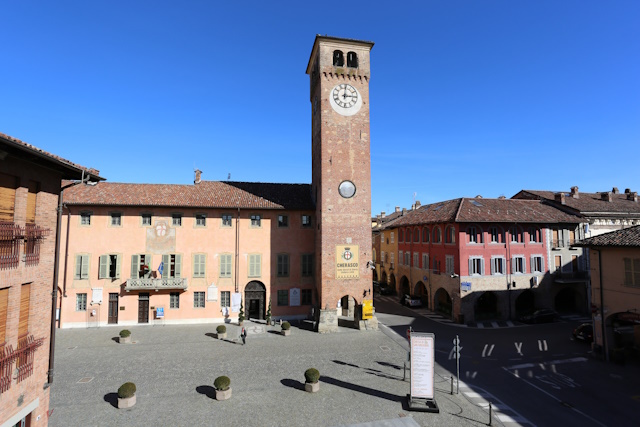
{"x":422,"y":365}
{"x":294,"y":297}
{"x":236,"y":298}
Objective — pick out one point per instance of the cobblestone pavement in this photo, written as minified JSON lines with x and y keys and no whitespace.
{"x":174,"y":368}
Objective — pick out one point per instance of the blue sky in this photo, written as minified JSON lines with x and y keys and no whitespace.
{"x":467,"y":97}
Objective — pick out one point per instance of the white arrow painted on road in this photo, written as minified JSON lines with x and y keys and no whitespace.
{"x":484,"y":351}
{"x":542,"y":345}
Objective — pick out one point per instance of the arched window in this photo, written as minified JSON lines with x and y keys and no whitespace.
{"x":516,"y":234}
{"x":534,"y":235}
{"x":408,"y":235}
{"x":352,"y":60}
{"x":474,"y":234}
{"x":425,"y":235}
{"x":450,"y":235}
{"x":437,"y":235}
{"x":416,"y":235}
{"x":338,"y":58}
{"x":401,"y":235}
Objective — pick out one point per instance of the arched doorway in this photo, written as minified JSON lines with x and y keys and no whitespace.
{"x":405,"y":288}
{"x":255,"y":295}
{"x":486,"y":306}
{"x":442,"y":302}
{"x":349,"y":312}
{"x":384,"y":277}
{"x":375,"y":276}
{"x":421,"y":290}
{"x":565,"y":301}
{"x":392,"y":282}
{"x":525,"y":303}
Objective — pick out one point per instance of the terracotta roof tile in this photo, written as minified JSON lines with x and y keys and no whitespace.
{"x":25,"y":147}
{"x":626,"y":237}
{"x":468,"y":210}
{"x":206,"y":194}
{"x":588,"y":203}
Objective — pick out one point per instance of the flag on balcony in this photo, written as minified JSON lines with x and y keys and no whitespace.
{"x":161,"y":267}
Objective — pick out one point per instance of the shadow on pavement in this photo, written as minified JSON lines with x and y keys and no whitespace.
{"x":391,"y":365}
{"x":112,"y":398}
{"x":365,"y":390}
{"x":116,"y":339}
{"x":212,"y":335}
{"x":293,"y":384}
{"x":207,"y":390}
{"x":340,"y":362}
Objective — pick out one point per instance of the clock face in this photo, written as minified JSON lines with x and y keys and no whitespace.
{"x":347,"y":189}
{"x":345,"y":99}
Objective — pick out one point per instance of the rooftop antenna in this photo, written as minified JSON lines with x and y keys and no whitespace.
{"x":229,"y":177}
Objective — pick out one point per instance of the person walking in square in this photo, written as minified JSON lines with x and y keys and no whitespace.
{"x":243,"y":335}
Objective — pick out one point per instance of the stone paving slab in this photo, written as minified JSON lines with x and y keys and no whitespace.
{"x":174,"y":368}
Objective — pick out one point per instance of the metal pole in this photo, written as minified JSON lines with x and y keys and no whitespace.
{"x":452,"y":384}
{"x":458,"y":365}
{"x":490,"y":413}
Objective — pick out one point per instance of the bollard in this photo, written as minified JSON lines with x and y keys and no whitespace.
{"x":490,"y":410}
{"x":451,"y":384}
{"x":404,"y":373}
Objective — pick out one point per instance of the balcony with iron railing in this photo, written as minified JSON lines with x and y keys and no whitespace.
{"x":12,"y":236}
{"x":563,"y":243}
{"x":145,"y":284}
{"x":24,"y":357}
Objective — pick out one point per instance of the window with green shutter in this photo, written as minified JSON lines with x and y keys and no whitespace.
{"x":307,"y":265}
{"x":225,"y":265}
{"x":172,"y":265}
{"x":109,"y":267}
{"x":82,"y":267}
{"x":199,"y":265}
{"x":255,"y":261}
{"x":283,"y":265}
{"x":283,"y":297}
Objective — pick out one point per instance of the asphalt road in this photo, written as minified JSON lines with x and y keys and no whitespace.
{"x":539,"y":371}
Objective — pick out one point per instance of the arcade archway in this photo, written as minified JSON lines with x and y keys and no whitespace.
{"x":255,"y":294}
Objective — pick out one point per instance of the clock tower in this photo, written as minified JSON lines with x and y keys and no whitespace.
{"x":341,"y":179}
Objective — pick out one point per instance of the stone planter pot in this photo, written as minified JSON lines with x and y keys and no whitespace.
{"x":312,"y":387}
{"x":286,"y":332}
{"x":223,"y":394}
{"x":222,"y":336}
{"x":125,"y":340}
{"x":126,"y":402}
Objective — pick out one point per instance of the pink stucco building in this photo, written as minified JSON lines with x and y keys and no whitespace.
{"x":147,"y":253}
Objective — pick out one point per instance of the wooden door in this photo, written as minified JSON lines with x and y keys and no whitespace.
{"x":558,"y":260}
{"x":113,"y":308}
{"x":143,"y":308}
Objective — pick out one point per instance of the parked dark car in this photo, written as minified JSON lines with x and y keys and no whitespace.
{"x":584,"y":332}
{"x":544,"y":315}
{"x":386,"y":290}
{"x":411,"y":301}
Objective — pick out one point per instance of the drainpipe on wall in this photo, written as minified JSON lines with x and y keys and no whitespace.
{"x":66,"y":256}
{"x":54,"y":291}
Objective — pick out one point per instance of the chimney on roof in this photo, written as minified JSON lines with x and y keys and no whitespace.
{"x":404,"y":211}
{"x":397,"y":208}
{"x":627,"y":190}
{"x":197,"y":179}
{"x":382,"y":214}
{"x":632,"y":196}
{"x":479,"y":196}
{"x":560,"y":197}
{"x":417,"y":204}
{"x":615,"y":190}
{"x":606,"y":196}
{"x":501,"y":197}
{"x":574,"y":192}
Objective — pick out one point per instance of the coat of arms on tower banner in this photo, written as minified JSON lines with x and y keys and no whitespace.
{"x":347,"y":262}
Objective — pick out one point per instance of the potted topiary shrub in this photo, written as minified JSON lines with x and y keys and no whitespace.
{"x":126,"y":395}
{"x":269,"y":314}
{"x":221,"y":332}
{"x":241,"y":315}
{"x":223,"y":388}
{"x":311,"y":377}
{"x":125,"y":336}
{"x":286,"y":328}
